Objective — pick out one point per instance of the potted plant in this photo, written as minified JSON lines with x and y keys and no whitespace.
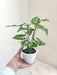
{"x":28,"y":39}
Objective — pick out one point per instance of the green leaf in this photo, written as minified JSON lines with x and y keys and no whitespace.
{"x":12,"y":26}
{"x":40,"y":42}
{"x":27,"y":25}
{"x":19,"y":37}
{"x":43,"y":28}
{"x":29,"y":31}
{"x":36,"y":41}
{"x":17,"y":25}
{"x":33,"y":44}
{"x":25,"y":43}
{"x":35,"y":20}
{"x":30,"y":52}
{"x":22,"y":24}
{"x":44,"y":19}
{"x":21,"y":28}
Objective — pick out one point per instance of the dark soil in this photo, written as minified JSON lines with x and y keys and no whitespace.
{"x":28,"y":51}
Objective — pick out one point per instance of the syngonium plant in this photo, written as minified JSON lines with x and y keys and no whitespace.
{"x":25,"y":38}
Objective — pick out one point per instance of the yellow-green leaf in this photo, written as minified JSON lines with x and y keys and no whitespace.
{"x":19,"y":37}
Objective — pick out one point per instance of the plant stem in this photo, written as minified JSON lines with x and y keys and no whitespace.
{"x":33,"y":36}
{"x":28,"y":37}
{"x":27,"y":40}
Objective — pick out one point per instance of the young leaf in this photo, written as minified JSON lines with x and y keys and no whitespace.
{"x":44,"y":19}
{"x":25,"y":43}
{"x":19,"y":37}
{"x":43,"y":28}
{"x":35,"y":20}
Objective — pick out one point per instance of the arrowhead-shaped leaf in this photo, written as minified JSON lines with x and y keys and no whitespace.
{"x":35,"y":20}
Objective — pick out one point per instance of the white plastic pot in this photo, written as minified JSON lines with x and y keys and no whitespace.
{"x":29,"y":58}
